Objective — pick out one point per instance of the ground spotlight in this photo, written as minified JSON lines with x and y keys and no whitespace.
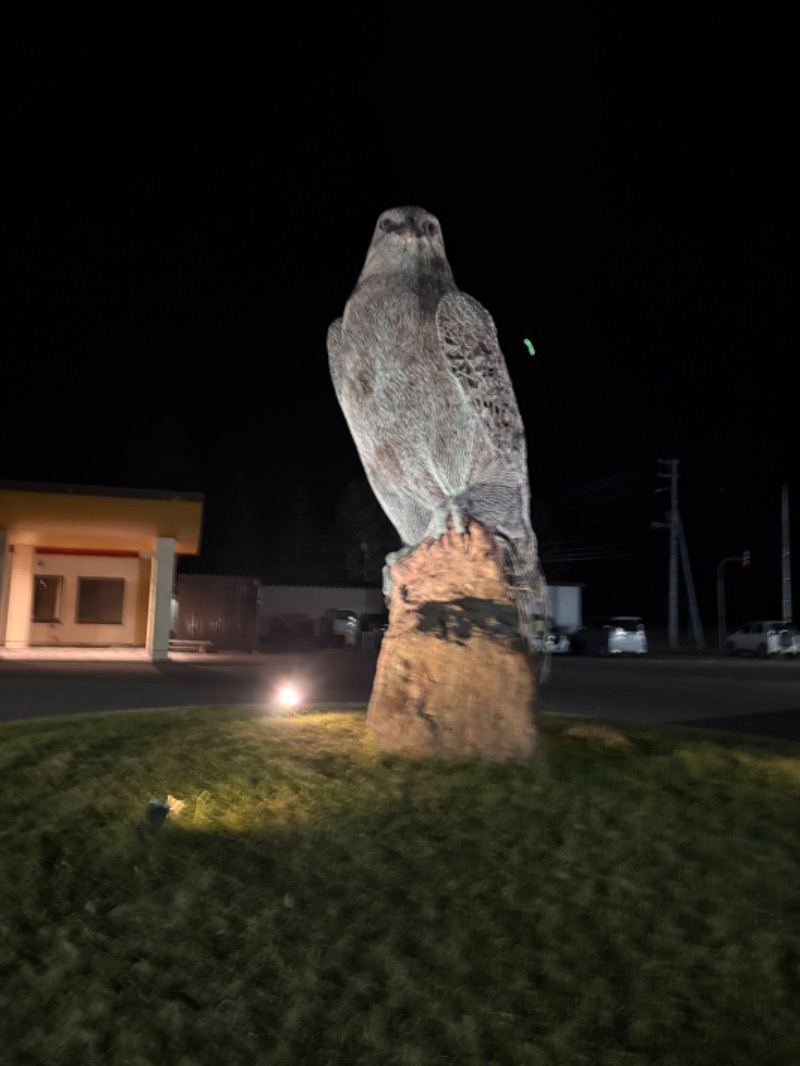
{"x":286,"y":698}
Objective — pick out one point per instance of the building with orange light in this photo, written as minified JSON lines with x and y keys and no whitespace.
{"x":92,"y":566}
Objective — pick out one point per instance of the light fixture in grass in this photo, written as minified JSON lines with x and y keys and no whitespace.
{"x":286,"y":698}
{"x":159,"y":810}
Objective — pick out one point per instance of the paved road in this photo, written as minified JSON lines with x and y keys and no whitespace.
{"x":35,"y":689}
{"x":740,"y":695}
{"x":760,"y":698}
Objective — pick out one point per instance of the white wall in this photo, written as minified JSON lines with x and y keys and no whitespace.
{"x":309,"y":602}
{"x":566,"y":608}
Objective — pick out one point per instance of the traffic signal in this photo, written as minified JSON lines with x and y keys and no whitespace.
{"x":745,"y":560}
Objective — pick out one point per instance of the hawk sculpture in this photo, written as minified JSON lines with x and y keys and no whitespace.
{"x":420,"y":377}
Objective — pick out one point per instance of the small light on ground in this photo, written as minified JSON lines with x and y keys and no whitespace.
{"x":288,"y":696}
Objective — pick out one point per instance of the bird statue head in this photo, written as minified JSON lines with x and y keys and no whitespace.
{"x":408,"y":240}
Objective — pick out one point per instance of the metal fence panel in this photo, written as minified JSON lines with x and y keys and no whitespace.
{"x":218,"y":608}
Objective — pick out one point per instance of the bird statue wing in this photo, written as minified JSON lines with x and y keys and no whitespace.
{"x":468,"y":340}
{"x":335,"y":355}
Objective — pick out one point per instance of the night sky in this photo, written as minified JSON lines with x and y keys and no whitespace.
{"x":187,"y":208}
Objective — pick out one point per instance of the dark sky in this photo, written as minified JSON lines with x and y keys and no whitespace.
{"x":188,"y":206}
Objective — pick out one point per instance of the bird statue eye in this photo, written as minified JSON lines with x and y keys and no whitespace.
{"x":385,"y":224}
{"x":431,"y":229}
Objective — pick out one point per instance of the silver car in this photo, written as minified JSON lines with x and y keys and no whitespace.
{"x":764,"y":639}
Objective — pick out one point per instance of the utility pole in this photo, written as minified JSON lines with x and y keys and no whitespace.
{"x":674,"y":519}
{"x":687,"y":573}
{"x":786,"y":558}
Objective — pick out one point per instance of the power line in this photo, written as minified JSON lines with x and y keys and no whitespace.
{"x":612,"y":487}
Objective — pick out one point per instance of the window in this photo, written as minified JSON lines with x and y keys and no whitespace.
{"x":47,"y":598}
{"x":100,"y":600}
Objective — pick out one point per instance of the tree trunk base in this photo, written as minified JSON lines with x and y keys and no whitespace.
{"x":454,"y":678}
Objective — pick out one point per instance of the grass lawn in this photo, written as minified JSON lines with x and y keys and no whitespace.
{"x":634,"y":898}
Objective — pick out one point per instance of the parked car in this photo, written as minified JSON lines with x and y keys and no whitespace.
{"x":374,"y":621}
{"x":764,"y":639}
{"x":557,"y":642}
{"x":553,"y":642}
{"x":618,"y":635}
{"x":339,"y":626}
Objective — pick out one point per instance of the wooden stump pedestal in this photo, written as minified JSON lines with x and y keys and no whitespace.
{"x":454,"y":678}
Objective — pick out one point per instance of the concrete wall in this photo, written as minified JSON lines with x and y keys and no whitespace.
{"x":306,"y":604}
{"x":294,"y":605}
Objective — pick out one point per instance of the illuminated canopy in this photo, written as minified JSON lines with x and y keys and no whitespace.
{"x":85,"y":517}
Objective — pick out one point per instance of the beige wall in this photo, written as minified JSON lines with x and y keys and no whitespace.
{"x":133,"y":628}
{"x":20,"y":597}
{"x":5,"y":582}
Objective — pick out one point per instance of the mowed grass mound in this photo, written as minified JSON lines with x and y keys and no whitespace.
{"x":633,"y":898}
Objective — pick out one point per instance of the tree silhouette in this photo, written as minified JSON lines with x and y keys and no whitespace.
{"x":364,"y":534}
{"x":233,"y":538}
{"x":299,"y":553}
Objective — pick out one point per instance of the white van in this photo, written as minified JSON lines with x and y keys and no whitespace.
{"x":623,"y":634}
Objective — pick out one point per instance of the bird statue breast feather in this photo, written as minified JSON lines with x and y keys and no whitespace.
{"x":422,"y":382}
